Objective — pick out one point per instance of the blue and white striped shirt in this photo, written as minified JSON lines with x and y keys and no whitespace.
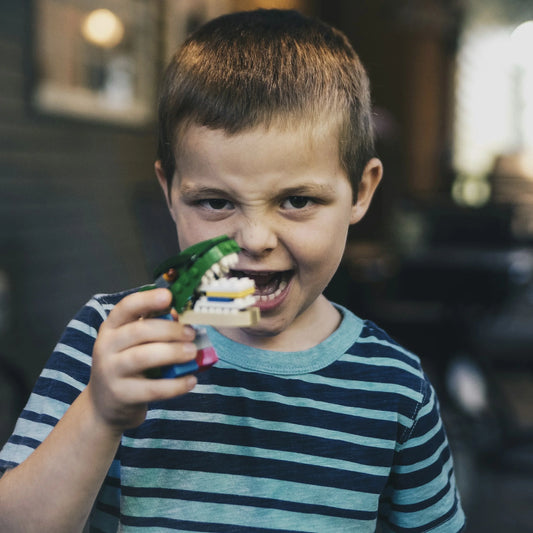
{"x":336,"y":438}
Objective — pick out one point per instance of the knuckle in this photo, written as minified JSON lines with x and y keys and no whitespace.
{"x":138,"y":358}
{"x":154,"y":388}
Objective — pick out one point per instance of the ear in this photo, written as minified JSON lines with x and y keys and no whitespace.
{"x":370,"y":179}
{"x":163,"y":182}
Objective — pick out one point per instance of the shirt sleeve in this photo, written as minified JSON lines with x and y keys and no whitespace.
{"x":422,"y":494}
{"x":65,"y":375}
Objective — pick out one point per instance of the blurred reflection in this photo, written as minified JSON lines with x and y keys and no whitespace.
{"x":494,"y":96}
{"x":102,"y":27}
{"x":96,"y":63}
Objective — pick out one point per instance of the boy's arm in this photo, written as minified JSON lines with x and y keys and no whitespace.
{"x":55,"y":488}
{"x":422,"y":491}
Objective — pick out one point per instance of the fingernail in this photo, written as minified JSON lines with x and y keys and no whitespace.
{"x":162,"y":295}
{"x":189,"y":348}
{"x":190,"y":382}
{"x":189,"y":333}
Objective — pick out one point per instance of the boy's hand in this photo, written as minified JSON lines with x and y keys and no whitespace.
{"x":126,"y":347}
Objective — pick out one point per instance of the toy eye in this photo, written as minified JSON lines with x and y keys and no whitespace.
{"x":170,"y":275}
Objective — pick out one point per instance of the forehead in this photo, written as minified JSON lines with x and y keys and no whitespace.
{"x":260,"y":163}
{"x":285,"y":136}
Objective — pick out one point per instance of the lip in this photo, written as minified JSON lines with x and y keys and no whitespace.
{"x":276,"y":299}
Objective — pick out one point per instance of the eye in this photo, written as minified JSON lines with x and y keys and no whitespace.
{"x":215,"y":204}
{"x":297,"y":202}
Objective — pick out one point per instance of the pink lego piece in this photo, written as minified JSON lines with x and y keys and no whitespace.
{"x":206,"y":357}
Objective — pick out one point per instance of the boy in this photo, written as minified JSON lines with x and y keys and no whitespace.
{"x":313,"y":420}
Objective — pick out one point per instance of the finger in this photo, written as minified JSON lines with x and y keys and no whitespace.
{"x":138,"y":359}
{"x":147,"y":331}
{"x":142,"y":390}
{"x":139,"y":305}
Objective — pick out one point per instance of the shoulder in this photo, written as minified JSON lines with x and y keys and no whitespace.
{"x":375,"y":341}
{"x":98,"y":307}
{"x":373,"y":346}
{"x":391,"y":374}
{"x":397,"y":364}
{"x":73,"y":351}
{"x":103,"y":303}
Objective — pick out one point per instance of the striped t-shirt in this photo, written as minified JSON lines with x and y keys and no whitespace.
{"x":337,"y":438}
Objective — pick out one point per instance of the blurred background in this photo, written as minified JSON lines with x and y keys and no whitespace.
{"x":444,"y":259}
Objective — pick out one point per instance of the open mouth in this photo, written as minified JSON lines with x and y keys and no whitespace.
{"x":270,"y":287}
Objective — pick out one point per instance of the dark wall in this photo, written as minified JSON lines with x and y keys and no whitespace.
{"x":71,"y":218}
{"x":408,"y":49}
{"x":79,"y":207}
{"x":69,"y":194}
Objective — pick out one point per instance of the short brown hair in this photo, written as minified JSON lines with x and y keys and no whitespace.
{"x":260,"y":67}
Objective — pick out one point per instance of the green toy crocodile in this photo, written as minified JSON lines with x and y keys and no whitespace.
{"x":203,"y":294}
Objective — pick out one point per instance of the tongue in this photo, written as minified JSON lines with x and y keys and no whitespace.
{"x":265,"y":283}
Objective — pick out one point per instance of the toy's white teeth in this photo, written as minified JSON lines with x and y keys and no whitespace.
{"x":220,"y":269}
{"x":208,"y":278}
{"x":229,"y":261}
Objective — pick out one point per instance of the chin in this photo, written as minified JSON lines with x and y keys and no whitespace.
{"x":263,"y":331}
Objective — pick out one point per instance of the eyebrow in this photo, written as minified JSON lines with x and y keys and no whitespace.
{"x":192,"y":191}
{"x":309,"y":189}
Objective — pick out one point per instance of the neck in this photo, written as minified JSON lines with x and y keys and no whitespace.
{"x":307,"y":330}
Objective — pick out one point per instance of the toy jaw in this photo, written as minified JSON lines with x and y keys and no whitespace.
{"x":224,"y":301}
{"x":203,"y":292}
{"x":220,"y":269}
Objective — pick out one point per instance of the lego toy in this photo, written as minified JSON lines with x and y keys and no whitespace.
{"x":203,"y":294}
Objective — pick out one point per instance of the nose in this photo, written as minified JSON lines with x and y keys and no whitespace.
{"x":256,"y":238}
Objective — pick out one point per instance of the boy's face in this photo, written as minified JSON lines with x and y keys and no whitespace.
{"x":283,"y":196}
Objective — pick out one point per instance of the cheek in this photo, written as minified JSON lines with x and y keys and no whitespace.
{"x":192,"y":230}
{"x":321,"y":251}
{"x":186,"y":228}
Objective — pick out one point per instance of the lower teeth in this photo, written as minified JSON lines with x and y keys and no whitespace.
{"x":269,"y":297}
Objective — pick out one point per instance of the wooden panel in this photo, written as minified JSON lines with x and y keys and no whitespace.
{"x":68,"y":198}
